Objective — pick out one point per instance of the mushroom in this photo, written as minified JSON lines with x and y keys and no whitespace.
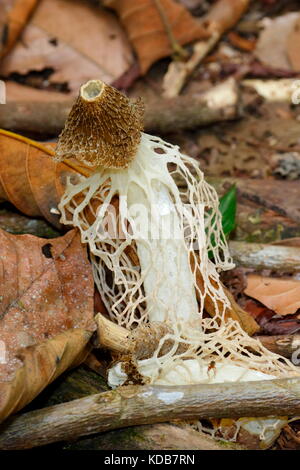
{"x":160,"y":223}
{"x":149,"y":238}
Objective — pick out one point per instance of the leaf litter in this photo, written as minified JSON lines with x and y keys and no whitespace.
{"x":47,"y":298}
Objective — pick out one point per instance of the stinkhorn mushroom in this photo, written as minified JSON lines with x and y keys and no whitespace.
{"x":150,"y":239}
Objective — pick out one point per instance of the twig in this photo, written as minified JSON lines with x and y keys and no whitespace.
{"x":133,"y":405}
{"x":177,"y":48}
{"x":178,"y":72}
{"x":263,"y":256}
{"x":220,"y":103}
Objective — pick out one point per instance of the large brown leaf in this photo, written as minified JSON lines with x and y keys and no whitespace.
{"x":147,"y":31}
{"x":46,"y":313}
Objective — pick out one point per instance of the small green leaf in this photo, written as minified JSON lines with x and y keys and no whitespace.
{"x":227,"y":207}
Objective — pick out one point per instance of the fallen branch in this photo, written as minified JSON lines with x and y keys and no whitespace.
{"x":263,"y":256}
{"x":82,"y":382}
{"x":221,"y":103}
{"x":134,"y":405}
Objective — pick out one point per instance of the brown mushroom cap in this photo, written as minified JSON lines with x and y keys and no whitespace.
{"x":103,"y":127}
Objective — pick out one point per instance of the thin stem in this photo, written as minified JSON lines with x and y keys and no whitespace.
{"x":178,"y":50}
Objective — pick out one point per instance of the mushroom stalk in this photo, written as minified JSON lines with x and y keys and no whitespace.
{"x":168,"y":280}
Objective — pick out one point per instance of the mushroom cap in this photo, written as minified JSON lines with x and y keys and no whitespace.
{"x":103,"y":127}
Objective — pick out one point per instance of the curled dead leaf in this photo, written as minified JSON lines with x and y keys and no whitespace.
{"x":46,"y":313}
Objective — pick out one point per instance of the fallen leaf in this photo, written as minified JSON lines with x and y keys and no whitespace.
{"x":146,"y":29}
{"x":46,"y":313}
{"x":34,"y":192}
{"x":77,"y":40}
{"x":279,"y":294}
{"x":14,"y":15}
{"x":273,"y":44}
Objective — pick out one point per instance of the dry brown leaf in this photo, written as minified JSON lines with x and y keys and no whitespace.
{"x":147,"y":32}
{"x":46,"y":313}
{"x":279,"y":294}
{"x":32,"y":191}
{"x":273,"y":45}
{"x":14,"y":15}
{"x":77,"y":40}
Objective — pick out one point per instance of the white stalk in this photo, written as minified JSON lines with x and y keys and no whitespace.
{"x":165,"y":267}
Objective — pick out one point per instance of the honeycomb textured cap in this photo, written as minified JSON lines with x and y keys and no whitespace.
{"x":103,"y":127}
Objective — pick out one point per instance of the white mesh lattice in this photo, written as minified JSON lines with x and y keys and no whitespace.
{"x":147,"y":272}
